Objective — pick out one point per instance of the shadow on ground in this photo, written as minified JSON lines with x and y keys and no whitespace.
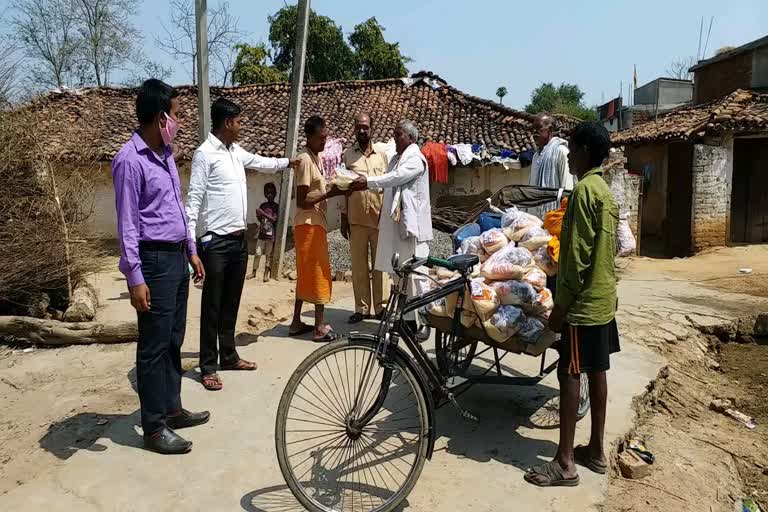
{"x":278,"y":498}
{"x":80,"y":432}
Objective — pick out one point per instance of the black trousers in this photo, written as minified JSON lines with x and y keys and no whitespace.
{"x":161,"y":332}
{"x":225,"y":258}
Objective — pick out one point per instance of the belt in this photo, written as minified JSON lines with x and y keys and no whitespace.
{"x":235,"y":235}
{"x":163,"y":246}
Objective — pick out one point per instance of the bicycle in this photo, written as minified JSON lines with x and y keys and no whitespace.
{"x":356,"y":421}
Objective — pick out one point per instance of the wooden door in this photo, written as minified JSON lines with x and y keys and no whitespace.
{"x":749,"y":192}
{"x":677,"y":228}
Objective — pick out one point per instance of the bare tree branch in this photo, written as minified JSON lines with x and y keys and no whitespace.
{"x":47,"y":32}
{"x":178,"y":39}
{"x":678,"y":68}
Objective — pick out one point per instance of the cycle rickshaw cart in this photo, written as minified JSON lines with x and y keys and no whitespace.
{"x":356,"y":421}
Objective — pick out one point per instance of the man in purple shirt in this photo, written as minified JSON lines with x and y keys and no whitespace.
{"x":156,"y":250}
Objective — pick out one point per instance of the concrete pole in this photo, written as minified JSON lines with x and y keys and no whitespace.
{"x":291,"y":137}
{"x":203,"y":94}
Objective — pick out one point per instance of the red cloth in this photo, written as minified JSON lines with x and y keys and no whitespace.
{"x":437,"y":159}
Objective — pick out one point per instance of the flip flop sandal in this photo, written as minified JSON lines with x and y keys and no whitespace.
{"x":550,"y":475}
{"x":582,"y":457}
{"x":211,"y":382}
{"x":304,"y":329}
{"x":241,"y":365}
{"x":327,"y":337}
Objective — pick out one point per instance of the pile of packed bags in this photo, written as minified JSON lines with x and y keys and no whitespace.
{"x":507,"y":296}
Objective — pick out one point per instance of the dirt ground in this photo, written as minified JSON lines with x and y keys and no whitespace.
{"x":705,"y":460}
{"x":53,"y":399}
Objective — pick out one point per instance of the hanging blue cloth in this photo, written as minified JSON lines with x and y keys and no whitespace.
{"x":526,"y":157}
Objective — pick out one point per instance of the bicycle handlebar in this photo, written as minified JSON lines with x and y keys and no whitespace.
{"x":440,"y":262}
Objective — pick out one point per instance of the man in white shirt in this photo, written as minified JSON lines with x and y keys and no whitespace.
{"x":405,"y":223}
{"x":217,"y":205}
{"x":550,"y":162}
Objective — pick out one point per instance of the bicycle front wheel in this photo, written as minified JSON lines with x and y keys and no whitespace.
{"x":327,"y":463}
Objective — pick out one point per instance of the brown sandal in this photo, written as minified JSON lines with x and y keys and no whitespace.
{"x":211,"y":382}
{"x":241,"y":365}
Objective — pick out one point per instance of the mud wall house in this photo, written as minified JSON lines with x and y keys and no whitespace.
{"x":705,"y":165}
{"x":442,"y":113}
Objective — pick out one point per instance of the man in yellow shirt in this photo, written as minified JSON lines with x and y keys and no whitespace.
{"x":360,"y":224}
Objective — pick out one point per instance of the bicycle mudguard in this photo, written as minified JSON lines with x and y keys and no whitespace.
{"x":423,"y":384}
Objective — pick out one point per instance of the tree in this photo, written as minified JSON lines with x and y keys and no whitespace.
{"x":328,"y":55}
{"x":47,"y":32}
{"x":678,"y":68}
{"x":9,"y":67}
{"x":564,"y":99}
{"x":251,"y":66}
{"x":374,"y":56}
{"x":179,"y":39}
{"x":501,"y":92}
{"x":144,"y":69}
{"x":108,"y":36}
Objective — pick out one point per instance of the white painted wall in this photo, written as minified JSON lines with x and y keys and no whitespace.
{"x":461,"y":181}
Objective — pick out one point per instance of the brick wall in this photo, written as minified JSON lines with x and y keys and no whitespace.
{"x":720,"y":78}
{"x":625,"y":186}
{"x":712,"y":170}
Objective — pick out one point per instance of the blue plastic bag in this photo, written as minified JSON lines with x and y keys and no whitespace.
{"x":489,"y":220}
{"x":465,"y":231}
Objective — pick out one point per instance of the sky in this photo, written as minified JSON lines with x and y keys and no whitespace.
{"x":481,"y":45}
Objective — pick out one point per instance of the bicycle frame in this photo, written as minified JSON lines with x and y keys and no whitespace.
{"x":394,"y":324}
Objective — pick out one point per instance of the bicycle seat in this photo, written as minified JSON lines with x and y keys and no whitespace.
{"x":464,"y":262}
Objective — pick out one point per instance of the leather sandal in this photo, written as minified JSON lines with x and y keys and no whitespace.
{"x":211,"y":382}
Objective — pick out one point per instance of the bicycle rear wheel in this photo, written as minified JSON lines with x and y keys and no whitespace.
{"x":330,"y":466}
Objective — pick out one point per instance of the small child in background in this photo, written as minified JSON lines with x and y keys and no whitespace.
{"x":265,"y":241}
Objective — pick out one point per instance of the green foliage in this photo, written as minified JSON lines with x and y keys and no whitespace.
{"x":565,"y":99}
{"x":329,"y":57}
{"x":375,"y":57}
{"x":501,"y":92}
{"x":368,"y":55}
{"x":251,"y":66}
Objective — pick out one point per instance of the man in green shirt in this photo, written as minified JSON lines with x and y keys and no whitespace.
{"x":585,"y":306}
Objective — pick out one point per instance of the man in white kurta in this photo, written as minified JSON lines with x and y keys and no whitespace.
{"x":405,"y":225}
{"x":549,"y":168}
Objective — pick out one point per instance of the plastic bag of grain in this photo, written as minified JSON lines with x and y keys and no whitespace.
{"x":625,"y":240}
{"x":542,"y":304}
{"x":533,"y":238}
{"x":544,"y":261}
{"x":504,"y":323}
{"x":513,"y":292}
{"x":508,"y":263}
{"x":531,"y":330}
{"x":471,"y":245}
{"x":343,"y":178}
{"x":493,"y":240}
{"x":484,"y":299}
{"x":536,"y":278}
{"x":515,"y":219}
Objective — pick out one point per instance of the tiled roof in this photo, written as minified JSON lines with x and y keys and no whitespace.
{"x":742,"y":111}
{"x":443,"y":114}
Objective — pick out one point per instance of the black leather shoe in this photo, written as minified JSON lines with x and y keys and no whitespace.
{"x":167,"y":442}
{"x":422,"y":333}
{"x":187,"y":419}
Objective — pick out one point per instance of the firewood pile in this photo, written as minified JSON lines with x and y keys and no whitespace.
{"x":44,"y":208}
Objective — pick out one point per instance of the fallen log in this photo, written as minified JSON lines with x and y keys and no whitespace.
{"x":83,"y":304}
{"x":52,"y":332}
